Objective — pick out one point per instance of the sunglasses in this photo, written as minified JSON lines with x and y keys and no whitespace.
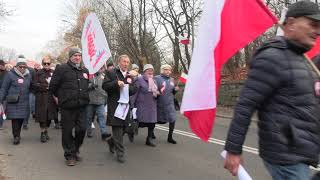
{"x":22,"y":67}
{"x":46,"y":64}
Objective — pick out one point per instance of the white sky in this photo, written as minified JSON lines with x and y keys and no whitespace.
{"x":33,"y":24}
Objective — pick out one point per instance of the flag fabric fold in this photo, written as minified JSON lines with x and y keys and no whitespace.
{"x":226,"y":26}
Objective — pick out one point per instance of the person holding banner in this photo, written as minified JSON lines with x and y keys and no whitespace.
{"x":69,"y":84}
{"x":282,"y":86}
{"x":119,"y":85}
{"x":165,"y":105}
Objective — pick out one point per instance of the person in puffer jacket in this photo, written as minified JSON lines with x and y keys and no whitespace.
{"x":281,"y":86}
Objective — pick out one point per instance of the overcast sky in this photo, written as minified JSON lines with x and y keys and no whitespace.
{"x":33,"y":24}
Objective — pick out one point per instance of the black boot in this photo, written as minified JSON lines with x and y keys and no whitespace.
{"x":43,"y":137}
{"x":16,"y":140}
{"x":46,"y":134}
{"x":153,"y":136}
{"x":170,"y":139}
{"x":149,"y":142}
{"x":111,"y":145}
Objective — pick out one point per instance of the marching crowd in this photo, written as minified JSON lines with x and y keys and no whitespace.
{"x":116,"y":95}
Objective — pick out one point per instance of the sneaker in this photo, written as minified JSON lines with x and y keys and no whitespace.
{"x":71,"y":162}
{"x":105,"y":136}
{"x":89,"y":134}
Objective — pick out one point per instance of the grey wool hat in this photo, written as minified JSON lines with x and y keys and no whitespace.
{"x":304,"y":8}
{"x":147,"y":66}
{"x":21,"y":60}
{"x":73,"y":51}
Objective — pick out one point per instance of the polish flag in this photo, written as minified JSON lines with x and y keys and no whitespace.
{"x":184,"y":40}
{"x":226,"y":26}
{"x":315,"y":50}
{"x":183,"y":78}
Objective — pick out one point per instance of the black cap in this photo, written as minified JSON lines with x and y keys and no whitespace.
{"x":304,"y":8}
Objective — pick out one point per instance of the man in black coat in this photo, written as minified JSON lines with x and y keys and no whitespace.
{"x":114,"y":81}
{"x":281,"y":87}
{"x":69,"y":84}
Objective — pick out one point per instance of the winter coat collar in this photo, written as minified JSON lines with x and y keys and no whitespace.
{"x":19,"y":73}
{"x":73,"y":65}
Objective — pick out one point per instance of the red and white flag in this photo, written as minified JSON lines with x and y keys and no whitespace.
{"x":226,"y":26}
{"x":184,"y":40}
{"x":315,"y":50}
{"x":183,"y":78}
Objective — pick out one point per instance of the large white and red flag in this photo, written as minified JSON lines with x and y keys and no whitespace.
{"x":226,"y":26}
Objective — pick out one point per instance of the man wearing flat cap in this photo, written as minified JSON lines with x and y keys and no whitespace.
{"x":282,"y":87}
{"x":69,"y":84}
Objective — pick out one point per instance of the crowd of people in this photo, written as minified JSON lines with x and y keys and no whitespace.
{"x":68,"y":89}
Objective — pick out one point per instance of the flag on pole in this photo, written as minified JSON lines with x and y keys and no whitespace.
{"x":226,"y":26}
{"x":183,"y":78}
{"x":95,"y":48}
{"x":184,"y":40}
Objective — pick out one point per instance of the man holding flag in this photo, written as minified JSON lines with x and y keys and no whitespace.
{"x":281,"y":87}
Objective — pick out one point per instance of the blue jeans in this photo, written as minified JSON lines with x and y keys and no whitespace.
{"x":32,"y":101}
{"x":100,"y":112}
{"x":288,"y":172}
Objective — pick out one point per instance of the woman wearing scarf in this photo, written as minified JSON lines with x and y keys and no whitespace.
{"x":15,"y":91}
{"x":165,"y":106}
{"x":46,"y":108}
{"x":145,"y":101}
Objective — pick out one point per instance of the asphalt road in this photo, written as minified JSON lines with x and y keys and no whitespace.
{"x":190,"y":159}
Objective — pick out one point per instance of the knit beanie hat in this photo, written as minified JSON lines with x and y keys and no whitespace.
{"x":73,"y":51}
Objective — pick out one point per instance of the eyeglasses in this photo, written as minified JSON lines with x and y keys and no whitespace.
{"x":46,"y":64}
{"x":22,"y":67}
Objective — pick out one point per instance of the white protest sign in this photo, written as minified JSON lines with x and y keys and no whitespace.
{"x":95,"y":48}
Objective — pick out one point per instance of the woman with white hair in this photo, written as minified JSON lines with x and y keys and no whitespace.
{"x":145,"y":101}
{"x":166,"y":111}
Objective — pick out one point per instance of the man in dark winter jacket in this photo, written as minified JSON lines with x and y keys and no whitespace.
{"x":281,"y":87}
{"x":114,"y":81}
{"x":69,"y":84}
{"x":3,"y":73}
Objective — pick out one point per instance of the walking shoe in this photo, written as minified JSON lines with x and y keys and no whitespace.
{"x":153,"y":136}
{"x":111,"y":146}
{"x":43,"y":137}
{"x":71,"y":162}
{"x":89,"y":134}
{"x":131,"y":137}
{"x":25,"y":127}
{"x":121,"y":159}
{"x":46,"y":134}
{"x":78,"y":157}
{"x":16,"y":141}
{"x":105,"y":136}
{"x":56,"y":126}
{"x":171,"y":140}
{"x":149,"y":142}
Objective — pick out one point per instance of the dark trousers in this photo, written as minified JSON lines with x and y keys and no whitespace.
{"x":117,"y":140}
{"x":72,"y":119}
{"x":16,"y":127}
